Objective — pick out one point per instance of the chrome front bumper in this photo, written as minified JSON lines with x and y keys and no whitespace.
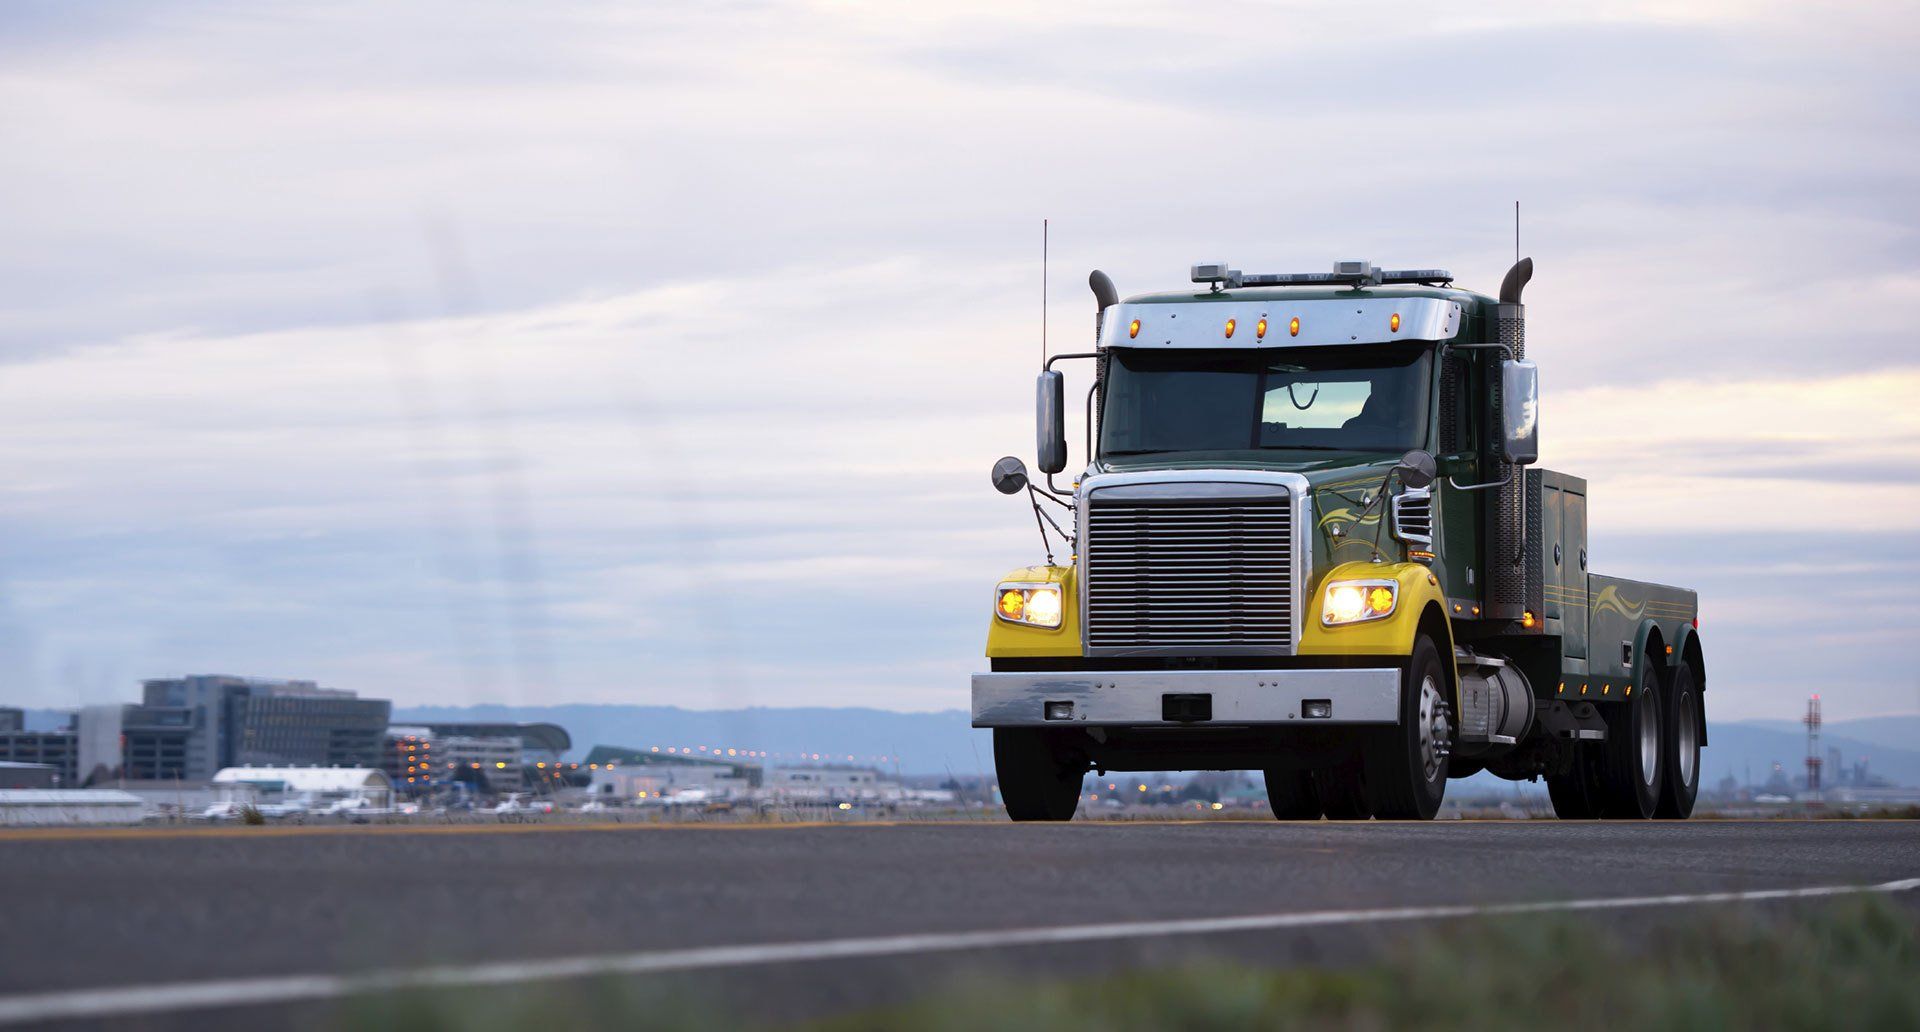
{"x":1141,"y":698}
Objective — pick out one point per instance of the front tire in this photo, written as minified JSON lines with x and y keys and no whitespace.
{"x":1576,"y":793}
{"x":1406,"y":766}
{"x":1680,"y":747}
{"x":1343,"y":793}
{"x":1037,"y":782}
{"x":1292,"y":796}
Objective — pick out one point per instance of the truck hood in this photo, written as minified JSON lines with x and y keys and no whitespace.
{"x":1332,"y":468}
{"x":1339,"y":484}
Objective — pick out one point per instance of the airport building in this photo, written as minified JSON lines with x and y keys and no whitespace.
{"x":538,"y":742}
{"x":56,"y":749}
{"x":26,"y":775}
{"x":644,"y":783}
{"x":133,"y":741}
{"x":307,"y":789}
{"x":27,"y":807}
{"x":237,"y":721}
{"x":186,"y":728}
{"x":408,"y":760}
{"x":828,"y":784}
{"x":494,"y":758}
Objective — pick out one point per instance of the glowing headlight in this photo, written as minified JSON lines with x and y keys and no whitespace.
{"x":1351,"y":601}
{"x":1028,"y":603}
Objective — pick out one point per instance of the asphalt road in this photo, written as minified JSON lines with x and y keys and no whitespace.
{"x":81,"y":912}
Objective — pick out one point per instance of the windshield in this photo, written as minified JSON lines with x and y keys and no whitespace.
{"x":1364,"y":398}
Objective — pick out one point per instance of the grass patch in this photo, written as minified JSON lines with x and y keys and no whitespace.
{"x":1851,"y":963}
{"x":1854,"y":964}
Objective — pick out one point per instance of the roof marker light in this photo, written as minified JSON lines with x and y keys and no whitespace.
{"x":1260,"y":329}
{"x":1230,"y":325}
{"x":1133,"y":329}
{"x":1293,"y":327}
{"x":1393,"y":324}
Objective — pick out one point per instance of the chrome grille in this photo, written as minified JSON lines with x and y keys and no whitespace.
{"x":1413,"y":516}
{"x":1202,"y":575}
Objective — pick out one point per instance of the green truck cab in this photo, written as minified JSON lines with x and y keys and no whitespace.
{"x":1308,"y":541}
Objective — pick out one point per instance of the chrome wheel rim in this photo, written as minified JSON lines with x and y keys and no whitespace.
{"x":1687,"y":735}
{"x":1649,"y":737}
{"x":1436,"y":736}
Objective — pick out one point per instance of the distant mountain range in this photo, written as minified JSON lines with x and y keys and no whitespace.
{"x":942,"y":743}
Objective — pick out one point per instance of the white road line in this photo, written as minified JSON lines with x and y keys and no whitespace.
{"x":234,"y":992}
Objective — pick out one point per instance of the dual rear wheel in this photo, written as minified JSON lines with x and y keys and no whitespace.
{"x":1649,"y":764}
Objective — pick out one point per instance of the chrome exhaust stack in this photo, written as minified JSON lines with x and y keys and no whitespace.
{"x":1507,"y":580}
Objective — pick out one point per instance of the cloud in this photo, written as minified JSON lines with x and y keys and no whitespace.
{"x":659,"y":353}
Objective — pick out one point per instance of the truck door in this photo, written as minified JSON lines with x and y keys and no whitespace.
{"x":1458,"y":533}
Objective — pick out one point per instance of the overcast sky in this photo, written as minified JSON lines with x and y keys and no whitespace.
{"x":524,"y":353}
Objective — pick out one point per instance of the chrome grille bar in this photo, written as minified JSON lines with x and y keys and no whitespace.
{"x":1190,"y":568}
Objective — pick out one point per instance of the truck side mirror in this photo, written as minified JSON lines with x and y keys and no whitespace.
{"x":1009,"y":476}
{"x":1050,"y":418}
{"x":1519,"y":412}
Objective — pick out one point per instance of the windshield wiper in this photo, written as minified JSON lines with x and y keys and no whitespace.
{"x":1305,"y":447}
{"x":1137,"y":451}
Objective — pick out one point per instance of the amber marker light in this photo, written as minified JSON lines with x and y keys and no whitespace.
{"x":1394,"y":323}
{"x":1230,"y":325}
{"x":1260,"y":329}
{"x":1133,"y":329}
{"x":1293,"y":327}
{"x":1527,"y":620}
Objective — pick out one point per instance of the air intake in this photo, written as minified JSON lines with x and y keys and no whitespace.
{"x":1413,"y":517}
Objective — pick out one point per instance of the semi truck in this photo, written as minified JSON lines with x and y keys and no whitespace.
{"x":1310,"y":540}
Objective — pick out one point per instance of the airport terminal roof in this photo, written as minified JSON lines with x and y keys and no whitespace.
{"x":63,"y":796}
{"x":551,"y":737}
{"x":622,"y":754}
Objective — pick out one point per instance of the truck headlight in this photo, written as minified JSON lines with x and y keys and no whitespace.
{"x":1021,"y":602}
{"x":1353,"y":601}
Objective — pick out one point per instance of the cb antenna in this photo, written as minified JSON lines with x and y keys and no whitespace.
{"x":1043,"y":293}
{"x":1516,"y":232}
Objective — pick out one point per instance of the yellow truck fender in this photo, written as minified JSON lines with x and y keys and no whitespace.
{"x":1008,"y":639}
{"x":1419,"y":605}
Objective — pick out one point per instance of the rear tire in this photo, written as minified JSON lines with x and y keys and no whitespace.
{"x":1406,"y":766}
{"x":1292,"y":796}
{"x":1630,"y":770}
{"x":1680,"y":747}
{"x":1037,"y":782}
